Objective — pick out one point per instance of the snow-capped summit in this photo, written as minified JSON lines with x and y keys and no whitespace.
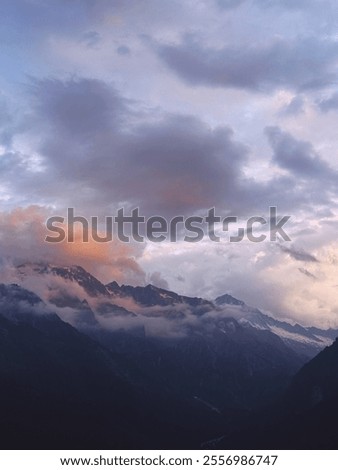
{"x":306,"y":340}
{"x":74,"y":273}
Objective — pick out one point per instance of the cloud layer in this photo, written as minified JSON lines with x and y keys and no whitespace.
{"x":176,"y":108}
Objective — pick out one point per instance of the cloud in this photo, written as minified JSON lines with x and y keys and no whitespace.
{"x":100,"y":151}
{"x":107,"y":130}
{"x":157,"y":280}
{"x":37,"y":18}
{"x":298,"y":254}
{"x":123,"y":50}
{"x":33,"y":19}
{"x":300,"y":64}
{"x":91,"y":38}
{"x":96,"y":151}
{"x":74,"y":305}
{"x":90,"y":136}
{"x":79,"y":108}
{"x":229,"y":4}
{"x":294,"y":107}
{"x":287,"y":4}
{"x":300,"y":158}
{"x":22,"y":239}
{"x":7,"y":122}
{"x":329,"y":104}
{"x":307,"y":273}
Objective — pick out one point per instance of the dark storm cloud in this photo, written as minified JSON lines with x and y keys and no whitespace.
{"x":171,"y":163}
{"x":100,"y":151}
{"x":81,"y":108}
{"x":298,"y":254}
{"x":182,"y":164}
{"x":296,"y":64}
{"x":299,"y":157}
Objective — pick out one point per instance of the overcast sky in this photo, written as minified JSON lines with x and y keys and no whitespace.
{"x":176,"y":107}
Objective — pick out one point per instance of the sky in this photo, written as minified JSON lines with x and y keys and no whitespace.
{"x":176,"y":107}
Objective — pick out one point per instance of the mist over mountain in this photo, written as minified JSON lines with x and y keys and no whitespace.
{"x":170,"y":371}
{"x":82,"y":300}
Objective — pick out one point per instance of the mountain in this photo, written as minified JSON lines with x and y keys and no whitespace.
{"x":49,"y":375}
{"x":144,"y":367}
{"x":305,"y":417}
{"x":77,"y":295}
{"x":307,"y":341}
{"x":77,"y":274}
{"x":227,"y":299}
{"x":312,"y":401}
{"x":317,"y":381}
{"x":221,"y":364}
{"x":12,"y":295}
{"x":113,"y":300}
{"x":61,"y":389}
{"x":151,"y":296}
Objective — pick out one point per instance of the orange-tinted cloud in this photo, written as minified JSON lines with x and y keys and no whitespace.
{"x":22,"y":239}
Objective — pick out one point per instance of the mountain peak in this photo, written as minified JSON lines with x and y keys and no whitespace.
{"x":74,"y":273}
{"x":228,"y":299}
{"x":16,"y":293}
